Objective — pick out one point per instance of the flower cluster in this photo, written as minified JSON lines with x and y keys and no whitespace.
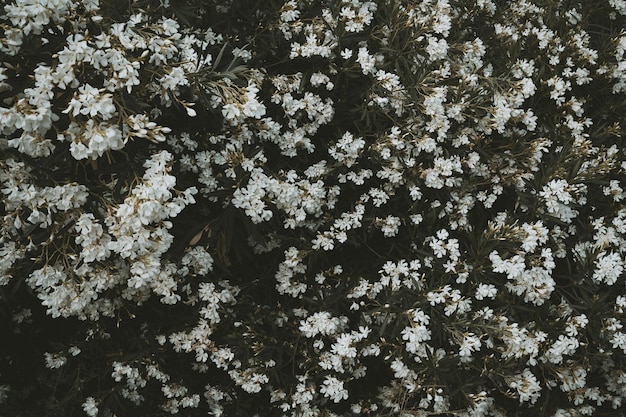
{"x":313,"y":208}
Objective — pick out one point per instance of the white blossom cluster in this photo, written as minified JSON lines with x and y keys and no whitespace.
{"x":314,"y":208}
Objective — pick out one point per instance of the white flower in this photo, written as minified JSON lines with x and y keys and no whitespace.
{"x":289,"y":12}
{"x":249,"y":381}
{"x":175,"y":78}
{"x":563,"y":346}
{"x":414,"y":337}
{"x":320,"y":323}
{"x":32,"y":16}
{"x":609,"y":267}
{"x":620,"y":303}
{"x":91,"y":237}
{"x":199,"y":260}
{"x":90,"y":407}
{"x":319,"y":78}
{"x":139,"y":226}
{"x":91,"y":101}
{"x":253,"y":108}
{"x":323,"y":241}
{"x":367,"y":61}
{"x":333,"y":388}
{"x":35,"y":145}
{"x":471,"y":343}
{"x":343,"y":346}
{"x":619,"y":341}
{"x":527,"y":386}
{"x":92,"y":139}
{"x":54,"y":360}
{"x":139,"y":125}
{"x":437,"y":49}
{"x":572,"y":379}
{"x":486,"y":291}
{"x":347,"y":149}
{"x":389,"y":225}
{"x":536,"y":234}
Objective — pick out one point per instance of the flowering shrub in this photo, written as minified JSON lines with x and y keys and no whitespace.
{"x":312,"y":207}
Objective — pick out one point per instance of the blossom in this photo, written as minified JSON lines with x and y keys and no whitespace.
{"x":150,"y":202}
{"x":609,"y":267}
{"x":91,"y":140}
{"x":54,"y":361}
{"x":90,"y":101}
{"x":414,"y":337}
{"x":366,"y":61}
{"x":561,"y":347}
{"x":320,"y":323}
{"x":333,"y":389}
{"x":390,"y":226}
{"x":90,"y":407}
{"x":527,"y":386}
{"x":495,"y":178}
{"x":347,"y":149}
{"x":92,"y":238}
{"x":436,"y":48}
{"x":486,"y":291}
{"x":619,"y":340}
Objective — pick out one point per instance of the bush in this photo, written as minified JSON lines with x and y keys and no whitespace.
{"x":312,"y":208}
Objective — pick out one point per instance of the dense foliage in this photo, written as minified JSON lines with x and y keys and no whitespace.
{"x":312,"y":207}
